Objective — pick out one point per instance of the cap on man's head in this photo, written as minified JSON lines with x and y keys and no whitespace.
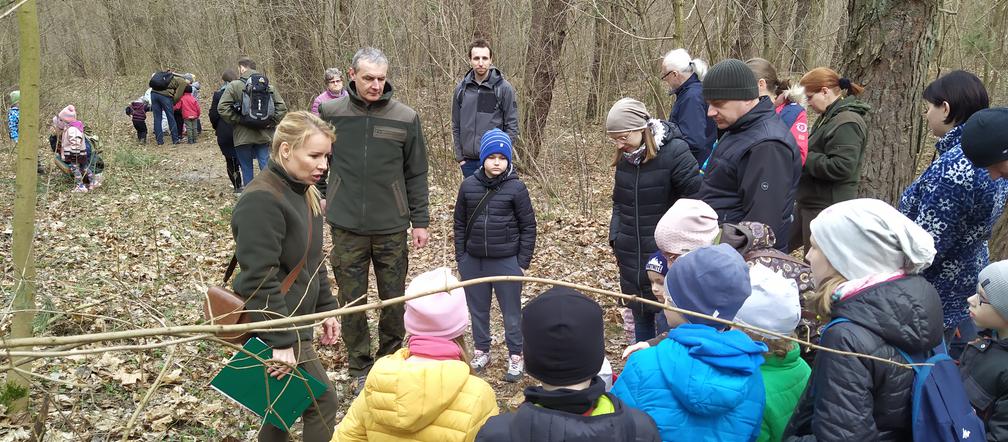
{"x":985,"y":137}
{"x":730,"y":79}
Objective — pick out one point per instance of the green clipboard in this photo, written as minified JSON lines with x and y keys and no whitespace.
{"x":279,"y":401}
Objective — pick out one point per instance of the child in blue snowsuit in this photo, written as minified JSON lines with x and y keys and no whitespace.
{"x":702,"y":382}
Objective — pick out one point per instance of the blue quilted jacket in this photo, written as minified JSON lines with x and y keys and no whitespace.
{"x":958,"y":205}
{"x":699,"y":384}
{"x":13,"y":119}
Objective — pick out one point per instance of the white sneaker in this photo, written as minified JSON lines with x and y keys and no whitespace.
{"x":516,"y":369}
{"x":480,"y":360}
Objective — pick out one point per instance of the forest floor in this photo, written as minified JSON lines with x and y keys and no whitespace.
{"x":140,"y":251}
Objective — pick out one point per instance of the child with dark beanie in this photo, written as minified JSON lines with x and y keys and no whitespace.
{"x":564,"y":347}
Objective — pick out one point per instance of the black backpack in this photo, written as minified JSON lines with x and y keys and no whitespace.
{"x":257,"y":108}
{"x":160,"y":81}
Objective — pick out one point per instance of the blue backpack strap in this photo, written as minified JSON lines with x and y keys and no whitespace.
{"x":832,"y":323}
{"x":822,"y":332}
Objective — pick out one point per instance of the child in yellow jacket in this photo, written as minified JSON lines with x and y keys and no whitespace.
{"x":424,"y":392}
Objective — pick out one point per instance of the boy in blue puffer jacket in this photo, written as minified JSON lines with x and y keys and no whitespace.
{"x":495,"y":234}
{"x":701,"y":383}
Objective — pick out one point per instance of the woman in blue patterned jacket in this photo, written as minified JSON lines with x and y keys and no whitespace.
{"x":955,"y":202}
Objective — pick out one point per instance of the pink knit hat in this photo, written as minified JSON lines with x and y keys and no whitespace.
{"x":441,"y":315}
{"x":688,"y":225}
{"x":68,"y":114}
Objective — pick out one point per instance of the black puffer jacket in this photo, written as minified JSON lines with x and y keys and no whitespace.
{"x":507,"y":226}
{"x":533,"y":423}
{"x":857,"y":399}
{"x":985,"y":375}
{"x":641,"y":195}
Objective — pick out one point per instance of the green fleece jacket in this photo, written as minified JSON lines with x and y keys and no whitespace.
{"x":836,"y":147}
{"x":784,"y":380}
{"x":377,"y":181}
{"x":270,"y":224}
{"x":232,"y":96}
{"x":175,"y":89}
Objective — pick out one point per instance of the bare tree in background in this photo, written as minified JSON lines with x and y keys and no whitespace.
{"x":25,"y":191}
{"x":747,"y":17}
{"x":298,"y":68}
{"x":546,"y":38}
{"x":888,"y":48}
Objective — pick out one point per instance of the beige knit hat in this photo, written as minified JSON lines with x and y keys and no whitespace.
{"x":626,"y":115}
{"x":686,"y":226}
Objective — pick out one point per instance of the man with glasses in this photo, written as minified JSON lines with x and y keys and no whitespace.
{"x":683,"y":75}
{"x":334,"y":89}
{"x":483,"y":100}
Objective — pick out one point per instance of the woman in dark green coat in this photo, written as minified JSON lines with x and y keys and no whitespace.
{"x":836,"y":146}
{"x":277,"y":226}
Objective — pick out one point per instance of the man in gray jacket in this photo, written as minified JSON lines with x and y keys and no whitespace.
{"x":483,"y":100}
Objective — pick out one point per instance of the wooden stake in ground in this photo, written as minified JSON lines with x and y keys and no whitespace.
{"x":25,"y":188}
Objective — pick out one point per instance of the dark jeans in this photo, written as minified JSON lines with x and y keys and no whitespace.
{"x":246,"y":153}
{"x":956,"y":338}
{"x":162,"y":104}
{"x":180,"y":122}
{"x":352,"y":255}
{"x":647,"y":325}
{"x":469,"y":167}
{"x":141,"y":129}
{"x":319,"y":418}
{"x":479,"y":296}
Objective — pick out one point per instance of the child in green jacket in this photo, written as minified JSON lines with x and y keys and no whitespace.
{"x":774,"y":306}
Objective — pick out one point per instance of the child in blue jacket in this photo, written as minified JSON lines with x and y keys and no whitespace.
{"x":14,"y":115}
{"x":702,"y":382}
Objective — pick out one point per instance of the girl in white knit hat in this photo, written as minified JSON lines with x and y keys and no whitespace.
{"x":866,"y":260}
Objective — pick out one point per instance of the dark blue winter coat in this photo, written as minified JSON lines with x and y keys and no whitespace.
{"x":507,"y":226}
{"x":641,"y":195}
{"x":690,"y":113}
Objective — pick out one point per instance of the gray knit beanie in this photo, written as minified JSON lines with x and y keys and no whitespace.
{"x":730,"y":79}
{"x":626,"y":115}
{"x":994,"y":281}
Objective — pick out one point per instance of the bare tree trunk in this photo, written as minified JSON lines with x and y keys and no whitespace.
{"x":601,"y":34}
{"x":677,"y":12}
{"x":804,"y":32}
{"x":296,"y":66}
{"x":767,"y":28}
{"x":888,"y":48}
{"x":546,"y":38}
{"x":482,"y":20}
{"x":116,"y":30}
{"x":25,"y":191}
{"x":749,"y":29}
